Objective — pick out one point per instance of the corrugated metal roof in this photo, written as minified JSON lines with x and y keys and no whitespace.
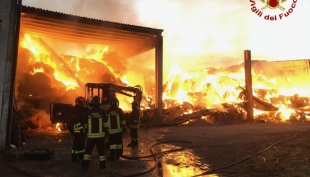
{"x":60,"y":15}
{"x":129,"y":39}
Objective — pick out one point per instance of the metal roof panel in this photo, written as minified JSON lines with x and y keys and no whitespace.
{"x":128,"y":39}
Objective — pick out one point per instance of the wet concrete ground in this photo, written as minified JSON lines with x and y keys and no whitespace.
{"x":181,"y":163}
{"x":215,"y":146}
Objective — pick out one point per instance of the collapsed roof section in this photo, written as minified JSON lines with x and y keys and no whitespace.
{"x":128,"y":39}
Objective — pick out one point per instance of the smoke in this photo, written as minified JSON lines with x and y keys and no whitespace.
{"x":207,"y":33}
{"x":201,"y":32}
{"x":121,"y":11}
{"x":190,"y":29}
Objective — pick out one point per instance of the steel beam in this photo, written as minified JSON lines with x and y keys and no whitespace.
{"x":248,"y":85}
{"x":159,"y":74}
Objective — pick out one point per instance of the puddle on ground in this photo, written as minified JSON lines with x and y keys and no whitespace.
{"x":181,"y":163}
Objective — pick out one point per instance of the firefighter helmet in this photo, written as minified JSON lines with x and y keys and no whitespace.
{"x":134,"y":104}
{"x":79,"y":101}
{"x":114,"y":102}
{"x":96,"y":100}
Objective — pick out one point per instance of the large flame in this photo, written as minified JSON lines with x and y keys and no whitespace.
{"x":204,"y":34}
{"x":41,"y":55}
{"x":69,"y":71}
{"x":206,"y":88}
{"x":210,"y":87}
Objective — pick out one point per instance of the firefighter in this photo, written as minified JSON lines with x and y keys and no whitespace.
{"x":77,"y":122}
{"x":134,"y":119}
{"x":96,"y":128}
{"x":117,"y":125}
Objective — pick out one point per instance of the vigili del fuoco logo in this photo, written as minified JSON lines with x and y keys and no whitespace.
{"x":281,"y":8}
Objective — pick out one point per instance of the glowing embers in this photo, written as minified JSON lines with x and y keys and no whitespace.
{"x":37,"y":70}
{"x":58,"y":127}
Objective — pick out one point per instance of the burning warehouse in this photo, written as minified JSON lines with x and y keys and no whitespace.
{"x":60,"y":53}
{"x":62,"y":56}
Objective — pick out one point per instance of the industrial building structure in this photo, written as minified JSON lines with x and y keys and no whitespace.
{"x":129,"y":39}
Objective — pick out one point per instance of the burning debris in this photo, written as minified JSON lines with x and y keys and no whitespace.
{"x":44,"y":76}
{"x":276,"y":88}
{"x":216,"y":95}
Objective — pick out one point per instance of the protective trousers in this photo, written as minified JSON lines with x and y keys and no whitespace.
{"x":90,"y":144}
{"x":116,"y":145}
{"x":78,"y":147}
{"x":134,"y":136}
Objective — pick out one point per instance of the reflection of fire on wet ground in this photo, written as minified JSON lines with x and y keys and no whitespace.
{"x":181,"y":164}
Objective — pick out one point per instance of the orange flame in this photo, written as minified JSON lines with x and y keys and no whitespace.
{"x":37,"y":70}
{"x":206,"y":88}
{"x":41,"y":55}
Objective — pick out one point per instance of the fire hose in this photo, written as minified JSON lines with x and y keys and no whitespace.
{"x":169,"y":151}
{"x":193,"y":144}
{"x":156,"y":154}
{"x":246,"y":158}
{"x":126,"y":157}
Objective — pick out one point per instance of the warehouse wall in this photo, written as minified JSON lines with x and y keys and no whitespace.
{"x":7,"y":37}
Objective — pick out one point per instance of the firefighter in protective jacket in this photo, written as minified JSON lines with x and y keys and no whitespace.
{"x":77,"y":122}
{"x":96,"y":128}
{"x":117,"y":125}
{"x":134,"y":120}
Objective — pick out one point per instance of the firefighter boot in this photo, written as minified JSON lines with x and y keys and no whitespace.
{"x":133,"y":143}
{"x":75,"y":158}
{"x":85,"y":164}
{"x":81,"y":156}
{"x":112,"y":158}
{"x":102,"y":164}
{"x":113,"y":153}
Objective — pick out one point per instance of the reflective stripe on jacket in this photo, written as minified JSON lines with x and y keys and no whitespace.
{"x":135,"y":124}
{"x":78,"y":119}
{"x":134,"y":118}
{"x":96,"y":123}
{"x":116,"y":120}
{"x":78,"y":127}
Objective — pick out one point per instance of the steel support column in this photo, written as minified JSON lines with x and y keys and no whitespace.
{"x":248,"y":85}
{"x":159,"y":74}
